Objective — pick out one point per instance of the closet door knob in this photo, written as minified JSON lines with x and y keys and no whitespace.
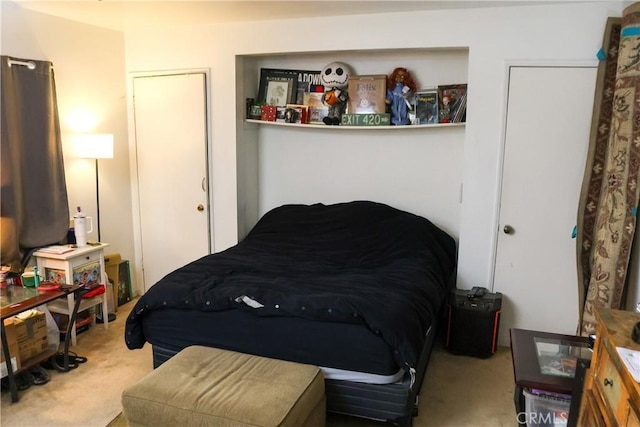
{"x":200,"y":208}
{"x":508,"y":229}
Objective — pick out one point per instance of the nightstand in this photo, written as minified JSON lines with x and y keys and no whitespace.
{"x":545,"y":361}
{"x":79,"y":267}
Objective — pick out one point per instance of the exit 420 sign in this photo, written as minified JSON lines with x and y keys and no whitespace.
{"x":366,"y":119}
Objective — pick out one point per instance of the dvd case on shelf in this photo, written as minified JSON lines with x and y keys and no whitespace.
{"x":426,"y":106}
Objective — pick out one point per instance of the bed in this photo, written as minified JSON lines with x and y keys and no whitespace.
{"x":356,"y":288}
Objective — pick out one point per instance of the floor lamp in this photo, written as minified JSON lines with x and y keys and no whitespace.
{"x":94,"y":146}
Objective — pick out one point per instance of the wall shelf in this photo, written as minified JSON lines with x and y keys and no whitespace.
{"x":328,"y":127}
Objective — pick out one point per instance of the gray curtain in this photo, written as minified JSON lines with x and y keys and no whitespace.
{"x":34,"y":206}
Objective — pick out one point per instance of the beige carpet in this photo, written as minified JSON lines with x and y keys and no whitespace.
{"x":457,"y":390}
{"x":88,"y":395}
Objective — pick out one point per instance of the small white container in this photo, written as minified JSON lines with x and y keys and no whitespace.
{"x":80,"y":228}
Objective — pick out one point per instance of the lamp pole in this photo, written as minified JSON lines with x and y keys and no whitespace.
{"x":98,"y":201}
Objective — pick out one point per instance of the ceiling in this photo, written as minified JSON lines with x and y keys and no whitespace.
{"x":118,"y":15}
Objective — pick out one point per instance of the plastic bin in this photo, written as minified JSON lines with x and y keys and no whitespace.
{"x":545,"y":409}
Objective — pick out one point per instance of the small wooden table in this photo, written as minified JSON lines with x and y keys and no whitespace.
{"x":545,"y":361}
{"x":15,"y":300}
{"x":81,"y":266}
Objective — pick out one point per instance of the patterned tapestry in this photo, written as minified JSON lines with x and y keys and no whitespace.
{"x":609,"y":198}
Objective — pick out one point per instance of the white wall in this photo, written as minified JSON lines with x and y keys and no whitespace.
{"x":562,"y":33}
{"x":89,"y":73}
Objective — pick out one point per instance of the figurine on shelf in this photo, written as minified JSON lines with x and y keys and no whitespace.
{"x":335,"y":78}
{"x":445,"y":110}
{"x":400,"y":90}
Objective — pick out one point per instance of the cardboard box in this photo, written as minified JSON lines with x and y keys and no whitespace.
{"x":14,"y":351}
{"x":111,"y":265}
{"x":32,"y":335}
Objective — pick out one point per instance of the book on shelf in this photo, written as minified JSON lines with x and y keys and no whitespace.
{"x":451,"y":100}
{"x":426,"y":106}
{"x":367,"y":94}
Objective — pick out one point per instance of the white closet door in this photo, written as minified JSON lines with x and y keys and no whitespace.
{"x":171,"y":150}
{"x":547,"y":138}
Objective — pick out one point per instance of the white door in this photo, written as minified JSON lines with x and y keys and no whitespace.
{"x":171,"y":150}
{"x":546,"y":141}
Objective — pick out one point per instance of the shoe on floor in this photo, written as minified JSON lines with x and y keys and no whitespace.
{"x":24,"y":380}
{"x":39,"y":374}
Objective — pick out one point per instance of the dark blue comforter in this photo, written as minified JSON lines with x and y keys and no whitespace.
{"x":358,"y":262}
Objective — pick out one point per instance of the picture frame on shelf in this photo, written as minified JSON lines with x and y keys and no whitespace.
{"x":452,"y":102}
{"x":426,"y":106}
{"x":367,"y":94}
{"x":300,"y":82}
{"x":280,"y":114}
{"x":278,"y":92}
{"x":271,"y":74}
{"x":297,"y":113}
{"x":317,"y":109}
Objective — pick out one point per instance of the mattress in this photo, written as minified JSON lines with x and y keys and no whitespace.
{"x":344,"y":351}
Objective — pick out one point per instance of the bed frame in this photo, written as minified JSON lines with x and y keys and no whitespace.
{"x":395,"y":403}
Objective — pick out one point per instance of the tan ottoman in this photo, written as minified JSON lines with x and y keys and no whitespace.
{"x":208,"y":386}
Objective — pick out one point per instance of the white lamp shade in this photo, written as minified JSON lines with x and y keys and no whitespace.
{"x":93,"y":145}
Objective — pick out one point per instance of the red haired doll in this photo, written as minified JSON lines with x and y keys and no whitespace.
{"x":400,"y":90}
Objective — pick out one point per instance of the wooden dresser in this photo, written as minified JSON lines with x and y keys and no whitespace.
{"x":611,"y":396}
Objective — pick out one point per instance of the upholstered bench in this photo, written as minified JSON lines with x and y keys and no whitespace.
{"x":213,"y":387}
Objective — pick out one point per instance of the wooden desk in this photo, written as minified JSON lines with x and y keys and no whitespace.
{"x":15,"y":300}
